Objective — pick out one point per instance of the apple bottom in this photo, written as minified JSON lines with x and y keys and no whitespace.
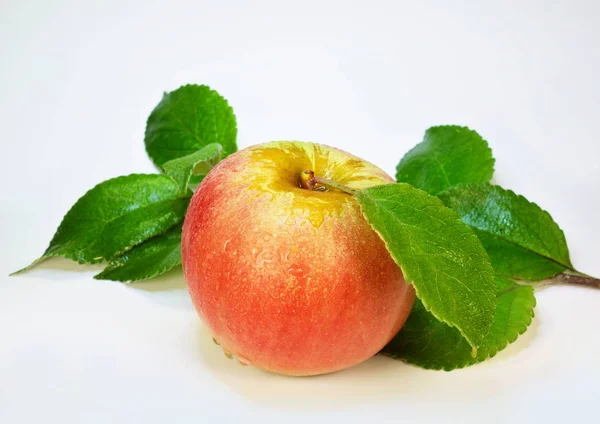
{"x":292,"y":299}
{"x":321,"y":335}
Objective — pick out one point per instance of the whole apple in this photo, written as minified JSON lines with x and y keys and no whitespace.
{"x":290,"y":279}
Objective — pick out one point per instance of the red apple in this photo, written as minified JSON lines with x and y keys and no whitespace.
{"x":292,"y":280}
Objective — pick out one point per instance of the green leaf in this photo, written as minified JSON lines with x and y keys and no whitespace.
{"x":439,"y":254}
{"x":431,"y":344}
{"x":148,"y":260}
{"x":447,"y":156}
{"x":522,"y":239}
{"x":116,"y":215}
{"x":188,"y":119}
{"x":198,"y":163}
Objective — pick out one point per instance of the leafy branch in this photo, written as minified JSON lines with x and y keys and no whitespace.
{"x":468,"y":247}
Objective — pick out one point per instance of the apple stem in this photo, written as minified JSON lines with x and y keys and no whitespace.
{"x":309,"y":181}
{"x":332,"y":184}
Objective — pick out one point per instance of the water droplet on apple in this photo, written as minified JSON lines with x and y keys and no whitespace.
{"x":316,"y":218}
{"x":243,"y":361}
{"x":297,"y":271}
{"x":266,"y":255}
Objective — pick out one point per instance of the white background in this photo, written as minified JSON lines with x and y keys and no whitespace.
{"x":77,"y":81}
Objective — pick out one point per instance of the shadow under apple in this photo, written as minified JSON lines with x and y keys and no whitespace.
{"x":377,"y":379}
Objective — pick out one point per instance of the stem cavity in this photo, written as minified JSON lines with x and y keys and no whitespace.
{"x":308,"y":181}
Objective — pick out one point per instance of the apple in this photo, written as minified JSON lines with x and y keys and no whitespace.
{"x":289,"y":276}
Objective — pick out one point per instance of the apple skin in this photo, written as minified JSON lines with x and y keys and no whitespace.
{"x":291,"y":280}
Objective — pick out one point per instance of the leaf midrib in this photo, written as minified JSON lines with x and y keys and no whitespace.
{"x":104,"y":223}
{"x":570,"y":267}
{"x":389,"y":212}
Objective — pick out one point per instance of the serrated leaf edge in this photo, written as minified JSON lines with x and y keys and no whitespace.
{"x":521,"y":199}
{"x":77,"y":259}
{"x":476,"y":361}
{"x":165,"y":95}
{"x":161,"y":271}
{"x":425,"y":304}
{"x":487,"y":145}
